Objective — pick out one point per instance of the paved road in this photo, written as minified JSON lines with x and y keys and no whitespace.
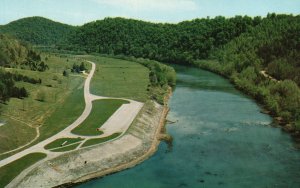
{"x":118,"y":122}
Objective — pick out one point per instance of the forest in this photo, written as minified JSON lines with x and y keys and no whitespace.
{"x":272,"y":46}
{"x":16,"y":54}
{"x":38,"y":30}
{"x":172,"y":43}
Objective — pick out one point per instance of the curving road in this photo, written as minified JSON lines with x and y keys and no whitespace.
{"x":118,"y":122}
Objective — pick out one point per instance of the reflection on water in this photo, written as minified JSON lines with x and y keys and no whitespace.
{"x":220,"y":140}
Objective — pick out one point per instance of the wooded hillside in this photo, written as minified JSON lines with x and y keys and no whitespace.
{"x":38,"y":30}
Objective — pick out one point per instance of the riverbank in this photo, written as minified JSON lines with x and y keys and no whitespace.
{"x":286,"y":124}
{"x":136,"y":145}
{"x":138,"y":159}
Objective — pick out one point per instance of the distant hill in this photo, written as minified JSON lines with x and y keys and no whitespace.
{"x":173,"y":43}
{"x":274,"y":46}
{"x":38,"y":30}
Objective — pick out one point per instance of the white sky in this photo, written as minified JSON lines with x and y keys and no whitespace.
{"x":78,"y":12}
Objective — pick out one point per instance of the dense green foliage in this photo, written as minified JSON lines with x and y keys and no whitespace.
{"x":15,"y":54}
{"x":78,"y":68}
{"x":274,"y":46}
{"x":173,"y":43}
{"x":8,"y":88}
{"x":38,"y":30}
{"x":19,"y":77}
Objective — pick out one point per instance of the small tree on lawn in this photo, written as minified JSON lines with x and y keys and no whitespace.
{"x":41,"y":96}
{"x":65,"y":73}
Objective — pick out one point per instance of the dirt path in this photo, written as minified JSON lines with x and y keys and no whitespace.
{"x":126,"y":114}
{"x":266,"y":75}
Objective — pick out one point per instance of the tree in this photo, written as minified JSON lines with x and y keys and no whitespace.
{"x":82,"y":67}
{"x":65,"y":73}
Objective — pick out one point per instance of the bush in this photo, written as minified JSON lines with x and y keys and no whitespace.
{"x":41,"y":96}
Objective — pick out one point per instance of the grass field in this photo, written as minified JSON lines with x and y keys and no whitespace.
{"x":119,"y":78}
{"x":101,"y":112}
{"x":58,"y":143}
{"x":63,"y":98}
{"x":63,"y":103}
{"x":11,"y":170}
{"x":94,"y":141}
{"x":64,"y":115}
{"x":11,"y":133}
{"x":67,"y":148}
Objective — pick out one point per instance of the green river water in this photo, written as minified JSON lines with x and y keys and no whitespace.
{"x":220,"y":140}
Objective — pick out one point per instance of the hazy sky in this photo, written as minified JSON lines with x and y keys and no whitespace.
{"x":78,"y":12}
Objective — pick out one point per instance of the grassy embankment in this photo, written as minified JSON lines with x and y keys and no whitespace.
{"x":11,"y":170}
{"x":95,"y":141}
{"x":101,"y":112}
{"x":67,"y":148}
{"x":58,"y":143}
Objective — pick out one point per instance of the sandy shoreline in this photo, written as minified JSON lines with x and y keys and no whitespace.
{"x":138,"y":144}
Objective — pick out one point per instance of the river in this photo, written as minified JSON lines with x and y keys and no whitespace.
{"x":220,"y":140}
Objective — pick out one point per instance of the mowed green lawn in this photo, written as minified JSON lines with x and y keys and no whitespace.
{"x":11,"y":170}
{"x":95,"y":141}
{"x":67,"y":148}
{"x":10,"y":134}
{"x":63,"y":103}
{"x":58,"y":143}
{"x":101,"y":112}
{"x":119,"y":78}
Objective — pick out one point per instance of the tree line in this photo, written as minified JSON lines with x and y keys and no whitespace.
{"x":172,"y":43}
{"x":8,"y":88}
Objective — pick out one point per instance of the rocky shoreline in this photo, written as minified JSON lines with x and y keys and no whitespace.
{"x":136,"y":145}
